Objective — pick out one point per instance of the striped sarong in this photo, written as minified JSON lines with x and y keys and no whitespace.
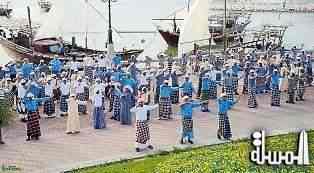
{"x":32,"y":125}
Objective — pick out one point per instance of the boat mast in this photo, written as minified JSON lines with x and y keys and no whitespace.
{"x":224,"y":27}
{"x":86,"y":22}
{"x":110,"y":27}
{"x":30,"y":25}
{"x":110,"y":47}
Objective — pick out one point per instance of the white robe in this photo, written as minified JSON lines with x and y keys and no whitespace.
{"x":73,"y":121}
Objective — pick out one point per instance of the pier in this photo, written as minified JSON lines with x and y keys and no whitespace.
{"x":273,"y":10}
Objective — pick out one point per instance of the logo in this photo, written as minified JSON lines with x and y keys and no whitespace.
{"x":10,"y":168}
{"x":260,"y":156}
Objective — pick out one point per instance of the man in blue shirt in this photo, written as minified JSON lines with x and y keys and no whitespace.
{"x":186,"y":109}
{"x":187,"y":87}
{"x":116,"y":60}
{"x":224,"y":128}
{"x":235,"y":77}
{"x":205,"y":93}
{"x":32,"y":124}
{"x":56,"y":66}
{"x":27,"y":68}
{"x":165,"y":109}
{"x":275,"y":92}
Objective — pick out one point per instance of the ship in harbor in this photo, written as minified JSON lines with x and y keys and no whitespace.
{"x":45,"y":5}
{"x":235,"y":25}
{"x":36,"y":41}
{"x":5,"y":10}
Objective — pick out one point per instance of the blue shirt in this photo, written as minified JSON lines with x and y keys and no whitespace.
{"x":26,"y":70}
{"x":159,"y":80}
{"x":187,"y":87}
{"x":56,"y":65}
{"x":205,"y":84}
{"x":165,"y":91}
{"x":129,"y":82}
{"x":116,"y":76}
{"x":224,"y":105}
{"x":31,"y":105}
{"x":187,"y":109}
{"x":275,"y":80}
{"x":235,"y":70}
{"x":116,"y":60}
{"x":35,"y":90}
{"x":251,"y":82}
{"x":12,"y":69}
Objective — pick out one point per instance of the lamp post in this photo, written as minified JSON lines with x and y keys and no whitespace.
{"x":110,"y":47}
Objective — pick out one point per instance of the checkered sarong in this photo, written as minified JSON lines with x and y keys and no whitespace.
{"x":32,"y":124}
{"x":224,"y":125}
{"x":235,"y":83}
{"x":212,"y":90}
{"x":252,"y":103}
{"x":187,"y":128}
{"x":64,"y":103}
{"x":245,"y":86}
{"x":42,"y":92}
{"x":165,"y":107}
{"x":56,"y":94}
{"x":230,"y":92}
{"x":10,"y":97}
{"x":49,"y":106}
{"x":275,"y":96}
{"x":300,"y":88}
{"x":291,"y":95}
{"x":175,"y":96}
{"x":111,"y":98}
{"x":89,"y":72}
{"x":204,"y":95}
{"x":142,"y":132}
{"x":86,"y":93}
{"x":82,"y":108}
{"x":116,"y":106}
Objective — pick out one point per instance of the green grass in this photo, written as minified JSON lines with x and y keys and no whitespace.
{"x":225,"y":158}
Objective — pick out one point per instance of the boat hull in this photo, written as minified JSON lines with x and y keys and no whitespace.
{"x":5,"y":12}
{"x":172,"y":38}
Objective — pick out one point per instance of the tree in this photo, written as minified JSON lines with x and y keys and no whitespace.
{"x":6,"y":115}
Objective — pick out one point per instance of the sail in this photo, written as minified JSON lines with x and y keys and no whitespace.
{"x":67,"y":18}
{"x":195,"y":27}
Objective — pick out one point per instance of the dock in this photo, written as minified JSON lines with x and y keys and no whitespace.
{"x":273,"y":10}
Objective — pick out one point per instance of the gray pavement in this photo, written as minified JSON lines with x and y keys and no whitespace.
{"x":56,"y":151}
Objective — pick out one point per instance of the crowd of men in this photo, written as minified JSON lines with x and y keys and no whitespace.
{"x":110,"y":87}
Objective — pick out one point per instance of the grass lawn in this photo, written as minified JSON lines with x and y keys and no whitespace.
{"x":224,"y":158}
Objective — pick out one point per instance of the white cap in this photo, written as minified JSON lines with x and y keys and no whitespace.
{"x":30,"y":95}
{"x":129,"y":88}
{"x":186,"y":97}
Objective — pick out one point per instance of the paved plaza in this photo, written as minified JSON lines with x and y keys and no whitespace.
{"x":56,"y":151}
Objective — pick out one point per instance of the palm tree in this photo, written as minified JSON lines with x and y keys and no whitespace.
{"x":6,"y":115}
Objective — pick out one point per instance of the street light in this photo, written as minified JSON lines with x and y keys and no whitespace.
{"x":110,"y":40}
